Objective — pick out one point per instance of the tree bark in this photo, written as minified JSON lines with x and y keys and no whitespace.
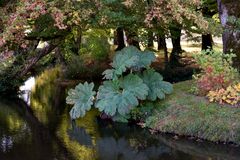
{"x":120,"y":39}
{"x":33,"y":60}
{"x":162,"y":45}
{"x":209,"y":9}
{"x":150,"y":39}
{"x":176,"y":42}
{"x":231,"y":35}
{"x":207,"y":41}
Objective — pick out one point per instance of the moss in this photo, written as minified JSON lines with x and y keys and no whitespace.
{"x":190,"y":115}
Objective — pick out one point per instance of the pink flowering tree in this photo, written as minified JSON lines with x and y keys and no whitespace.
{"x":25,"y":23}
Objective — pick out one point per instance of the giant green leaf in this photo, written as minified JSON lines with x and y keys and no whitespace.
{"x":135,"y":85}
{"x":123,"y":59}
{"x":145,"y":59}
{"x":121,"y":118}
{"x":82,"y":98}
{"x":109,"y":74}
{"x":157,"y":87}
{"x":129,"y":58}
{"x":120,"y":96}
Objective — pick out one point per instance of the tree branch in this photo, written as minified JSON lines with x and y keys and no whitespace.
{"x":33,"y":60}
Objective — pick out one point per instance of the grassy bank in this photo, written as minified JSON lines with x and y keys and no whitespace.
{"x":185,"y":114}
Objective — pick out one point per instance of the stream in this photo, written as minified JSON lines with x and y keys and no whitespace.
{"x":37,"y":126}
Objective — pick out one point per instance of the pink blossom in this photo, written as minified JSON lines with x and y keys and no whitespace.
{"x":2,"y":42}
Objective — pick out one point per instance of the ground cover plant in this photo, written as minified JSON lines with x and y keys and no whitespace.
{"x":130,"y":81}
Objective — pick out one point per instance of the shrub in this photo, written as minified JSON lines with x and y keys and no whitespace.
{"x":231,"y":95}
{"x":128,"y":83}
{"x":217,"y":71}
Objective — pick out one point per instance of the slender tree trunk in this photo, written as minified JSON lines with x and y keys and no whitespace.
{"x":231,"y":35}
{"x":120,"y":39}
{"x":208,"y":12}
{"x":161,"y":42}
{"x":150,"y":39}
{"x":207,"y":42}
{"x":33,"y":60}
{"x":78,"y":42}
{"x":162,"y":45}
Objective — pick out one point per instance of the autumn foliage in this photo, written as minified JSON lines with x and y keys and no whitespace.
{"x":218,"y":79}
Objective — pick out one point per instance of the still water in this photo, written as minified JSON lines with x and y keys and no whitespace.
{"x":38,"y":127}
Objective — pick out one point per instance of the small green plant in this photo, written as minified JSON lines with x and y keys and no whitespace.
{"x":127,"y":84}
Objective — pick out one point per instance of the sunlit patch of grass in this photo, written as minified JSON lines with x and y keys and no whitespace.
{"x":185,"y":114}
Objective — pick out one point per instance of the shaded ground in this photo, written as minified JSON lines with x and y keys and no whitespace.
{"x":91,"y":70}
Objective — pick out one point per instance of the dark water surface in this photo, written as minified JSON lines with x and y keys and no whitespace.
{"x":43,"y":131}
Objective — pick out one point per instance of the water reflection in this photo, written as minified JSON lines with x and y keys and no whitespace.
{"x":26,"y":89}
{"x":80,"y":135}
{"x":6,"y":143}
{"x":44,"y":131}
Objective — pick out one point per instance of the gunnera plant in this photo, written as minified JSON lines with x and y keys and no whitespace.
{"x":128,"y":83}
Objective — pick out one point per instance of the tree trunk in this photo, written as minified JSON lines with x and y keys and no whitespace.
{"x":162,"y":45}
{"x":33,"y":60}
{"x":176,"y":42}
{"x":119,"y":39}
{"x":231,"y":35}
{"x":78,"y":42}
{"x":150,"y":39}
{"x":132,"y":39}
{"x":14,"y":76}
{"x":207,"y":42}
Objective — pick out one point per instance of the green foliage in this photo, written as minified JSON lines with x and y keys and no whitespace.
{"x":142,"y":112}
{"x":82,"y":98}
{"x":234,"y":22}
{"x":75,"y":66}
{"x":44,"y":29}
{"x":121,"y":118}
{"x":158,"y":88}
{"x":129,"y":58}
{"x":217,"y":71}
{"x":85,"y":53}
{"x":95,"y":44}
{"x":122,"y":93}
